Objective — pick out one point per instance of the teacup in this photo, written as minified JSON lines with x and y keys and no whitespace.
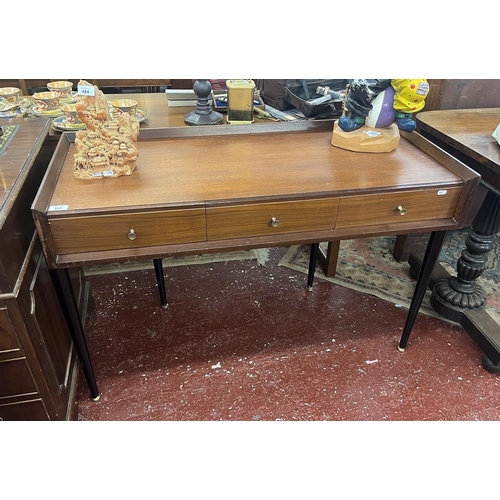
{"x":11,"y":94}
{"x":48,"y":101}
{"x":71,"y":114}
{"x":63,"y":87}
{"x":125,"y":106}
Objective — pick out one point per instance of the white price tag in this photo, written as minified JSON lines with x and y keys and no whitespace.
{"x":441,"y":192}
{"x":86,"y":90}
{"x":58,"y":207}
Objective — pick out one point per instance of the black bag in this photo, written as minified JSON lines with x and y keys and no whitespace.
{"x":288,"y":94}
{"x":273,"y":93}
{"x":303,"y":96}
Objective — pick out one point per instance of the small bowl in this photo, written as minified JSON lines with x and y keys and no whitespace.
{"x":11,"y":94}
{"x":63,"y":87}
{"x":125,"y":106}
{"x":48,"y":101}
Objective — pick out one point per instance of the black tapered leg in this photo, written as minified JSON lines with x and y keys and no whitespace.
{"x":312,"y":265}
{"x":160,"y":279}
{"x":430,"y":258}
{"x":64,"y":290}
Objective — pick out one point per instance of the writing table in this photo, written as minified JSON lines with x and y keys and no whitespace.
{"x":218,"y":188}
{"x":467,"y":135}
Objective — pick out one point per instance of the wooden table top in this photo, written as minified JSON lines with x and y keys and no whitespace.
{"x":469,"y":132}
{"x":221,"y":168}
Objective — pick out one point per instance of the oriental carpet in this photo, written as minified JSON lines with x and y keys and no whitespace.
{"x":367,"y":265}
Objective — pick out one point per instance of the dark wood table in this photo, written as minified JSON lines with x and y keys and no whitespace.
{"x":467,"y":135}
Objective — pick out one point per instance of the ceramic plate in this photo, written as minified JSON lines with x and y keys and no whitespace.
{"x":62,"y":125}
{"x":38,"y":111}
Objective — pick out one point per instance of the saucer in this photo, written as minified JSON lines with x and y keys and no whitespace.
{"x":37,"y":110}
{"x":11,"y":113}
{"x":5,"y":105}
{"x":70,"y":100}
{"x":16,"y":110}
{"x":62,"y":125}
{"x":140,"y":115}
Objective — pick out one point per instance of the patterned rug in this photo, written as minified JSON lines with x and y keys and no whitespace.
{"x":261,"y":255}
{"x":367,"y":265}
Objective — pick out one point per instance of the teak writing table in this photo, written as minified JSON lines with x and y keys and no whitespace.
{"x":218,"y":188}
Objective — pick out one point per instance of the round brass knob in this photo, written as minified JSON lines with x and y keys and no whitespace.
{"x":275,"y":222}
{"x":402,"y":210}
{"x":132,"y":235}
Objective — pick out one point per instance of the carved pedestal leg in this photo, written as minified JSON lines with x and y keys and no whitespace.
{"x":451,"y":296}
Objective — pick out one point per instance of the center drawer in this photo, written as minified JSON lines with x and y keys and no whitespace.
{"x":132,"y":230}
{"x":268,"y":218}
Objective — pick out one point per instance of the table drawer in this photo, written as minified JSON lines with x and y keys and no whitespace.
{"x":384,"y":208}
{"x":263,"y":219}
{"x":116,"y":232}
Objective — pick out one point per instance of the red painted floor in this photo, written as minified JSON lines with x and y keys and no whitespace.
{"x":246,"y":342}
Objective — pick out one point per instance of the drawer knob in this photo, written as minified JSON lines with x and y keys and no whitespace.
{"x":275,"y":222}
{"x":402,"y":210}
{"x":132,"y":235}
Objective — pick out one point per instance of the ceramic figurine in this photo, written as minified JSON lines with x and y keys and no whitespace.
{"x":400,"y":100}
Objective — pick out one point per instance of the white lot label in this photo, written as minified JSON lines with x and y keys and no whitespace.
{"x":86,"y":90}
{"x":441,"y":192}
{"x":58,"y":207}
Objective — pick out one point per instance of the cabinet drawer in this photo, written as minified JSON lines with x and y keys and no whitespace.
{"x":383,"y":208}
{"x":111,"y":232}
{"x":24,"y":410}
{"x":262,"y":219}
{"x":15,"y":378}
{"x":8,"y":338}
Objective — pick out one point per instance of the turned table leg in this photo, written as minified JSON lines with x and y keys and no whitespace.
{"x":452,"y":296}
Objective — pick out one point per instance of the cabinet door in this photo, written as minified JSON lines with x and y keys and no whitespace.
{"x":49,"y":335}
{"x":53,"y":329}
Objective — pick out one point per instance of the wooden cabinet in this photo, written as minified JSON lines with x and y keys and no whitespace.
{"x":463,"y":94}
{"x":38,"y":363}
